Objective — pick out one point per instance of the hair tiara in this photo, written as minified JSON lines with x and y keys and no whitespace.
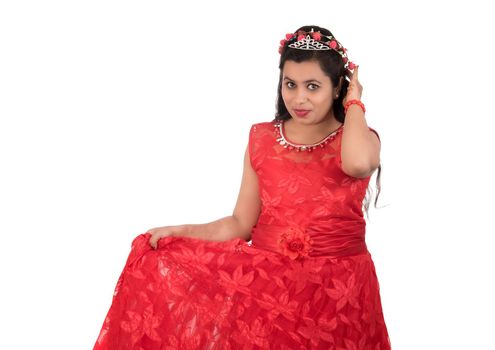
{"x":312,"y":40}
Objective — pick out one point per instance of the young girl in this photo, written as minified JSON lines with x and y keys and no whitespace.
{"x":289,"y":269}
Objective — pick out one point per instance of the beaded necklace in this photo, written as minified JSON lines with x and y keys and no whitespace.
{"x":283,"y":141}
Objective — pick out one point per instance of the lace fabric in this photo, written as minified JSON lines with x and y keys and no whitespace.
{"x":305,"y":280}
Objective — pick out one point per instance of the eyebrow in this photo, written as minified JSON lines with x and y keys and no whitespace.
{"x":307,"y":81}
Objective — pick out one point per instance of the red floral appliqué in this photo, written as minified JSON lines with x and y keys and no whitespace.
{"x":295,"y":243}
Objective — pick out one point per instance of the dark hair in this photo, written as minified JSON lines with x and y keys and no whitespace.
{"x":332,"y":64}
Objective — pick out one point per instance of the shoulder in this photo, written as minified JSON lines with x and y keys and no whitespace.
{"x":269,"y":124}
{"x":262,"y":127}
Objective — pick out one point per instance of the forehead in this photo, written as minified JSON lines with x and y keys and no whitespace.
{"x":303,"y":70}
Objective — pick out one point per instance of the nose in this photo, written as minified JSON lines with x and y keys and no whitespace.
{"x":301,"y":97}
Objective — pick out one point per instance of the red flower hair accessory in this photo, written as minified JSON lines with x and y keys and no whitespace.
{"x":295,"y":242}
{"x":313,"y":41}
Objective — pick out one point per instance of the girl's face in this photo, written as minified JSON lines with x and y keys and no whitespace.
{"x":305,"y":86}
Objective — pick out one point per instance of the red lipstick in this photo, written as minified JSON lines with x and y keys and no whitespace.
{"x":301,"y":112}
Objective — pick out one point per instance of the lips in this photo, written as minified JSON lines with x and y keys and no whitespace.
{"x":301,"y":112}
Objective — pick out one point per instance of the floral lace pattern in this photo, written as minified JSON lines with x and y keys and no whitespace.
{"x":305,"y":281}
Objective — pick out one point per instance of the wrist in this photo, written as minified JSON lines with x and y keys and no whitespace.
{"x":354,"y":102}
{"x":182,"y":231}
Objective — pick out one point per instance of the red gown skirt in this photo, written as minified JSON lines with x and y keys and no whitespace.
{"x":196,"y":294}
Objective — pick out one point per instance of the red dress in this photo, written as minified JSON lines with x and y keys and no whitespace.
{"x":305,"y":280}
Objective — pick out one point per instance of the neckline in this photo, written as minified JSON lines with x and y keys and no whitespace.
{"x":284,"y":137}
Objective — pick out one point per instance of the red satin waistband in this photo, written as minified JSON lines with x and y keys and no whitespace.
{"x":296,"y":241}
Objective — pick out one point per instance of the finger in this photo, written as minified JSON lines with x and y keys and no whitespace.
{"x":153,"y":241}
{"x":355,"y":73}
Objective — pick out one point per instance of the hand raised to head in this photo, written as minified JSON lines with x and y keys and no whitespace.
{"x":355,"y":89}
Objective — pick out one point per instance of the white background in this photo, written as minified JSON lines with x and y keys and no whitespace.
{"x":120,"y":116}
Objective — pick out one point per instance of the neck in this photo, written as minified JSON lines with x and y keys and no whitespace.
{"x":309,"y":131}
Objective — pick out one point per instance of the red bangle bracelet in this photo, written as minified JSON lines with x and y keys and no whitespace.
{"x":348,"y":103}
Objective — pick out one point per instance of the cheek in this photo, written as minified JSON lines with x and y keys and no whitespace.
{"x":285,"y":95}
{"x":322,"y":103}
{"x":322,"y":100}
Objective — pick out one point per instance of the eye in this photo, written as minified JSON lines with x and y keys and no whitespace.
{"x":290,"y":82}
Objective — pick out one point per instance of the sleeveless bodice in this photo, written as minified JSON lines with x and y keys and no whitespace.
{"x":310,"y":207}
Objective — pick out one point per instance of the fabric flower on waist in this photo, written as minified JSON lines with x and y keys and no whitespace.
{"x":295,"y":243}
